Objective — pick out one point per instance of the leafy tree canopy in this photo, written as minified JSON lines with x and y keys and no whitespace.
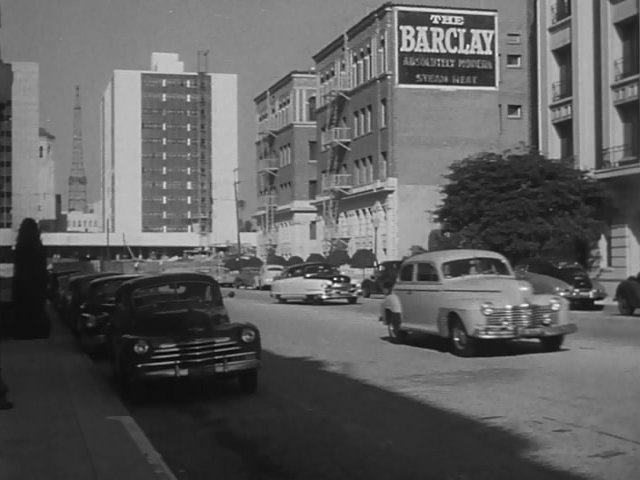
{"x":521,"y":205}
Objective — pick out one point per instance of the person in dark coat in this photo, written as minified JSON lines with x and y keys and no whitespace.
{"x":29,"y":286}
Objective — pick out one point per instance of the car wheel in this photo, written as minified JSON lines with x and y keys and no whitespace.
{"x":280,"y":299}
{"x":624,"y":306}
{"x":318,"y":301}
{"x":462,"y":345}
{"x":552,"y":344}
{"x":248,"y":381}
{"x":352,"y":300}
{"x":396,"y":334}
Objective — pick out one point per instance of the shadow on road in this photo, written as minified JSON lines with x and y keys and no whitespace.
{"x":494,"y":348}
{"x":309,"y":421}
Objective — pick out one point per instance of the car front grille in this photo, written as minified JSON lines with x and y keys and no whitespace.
{"x":521,"y":316}
{"x":197,"y":353}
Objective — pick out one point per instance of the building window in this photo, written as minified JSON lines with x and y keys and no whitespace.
{"x":513,"y":39}
{"x":189,"y":200}
{"x":188,"y":185}
{"x":356,"y":172}
{"x":384,"y":166}
{"x":41,"y":152}
{"x":164,"y":199}
{"x":313,"y":232}
{"x":188,"y":97}
{"x":383,"y":113}
{"x":164,"y":170}
{"x":514,"y":61}
{"x":514,"y":111}
{"x":164,"y":97}
{"x":368,"y":119}
{"x":164,"y":185}
{"x":164,"y":214}
{"x":356,"y":124}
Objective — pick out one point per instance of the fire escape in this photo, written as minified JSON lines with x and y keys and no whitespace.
{"x":202,"y":161}
{"x":336,"y":182}
{"x":268,"y":165}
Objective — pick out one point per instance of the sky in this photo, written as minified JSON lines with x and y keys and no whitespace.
{"x":80,"y":42}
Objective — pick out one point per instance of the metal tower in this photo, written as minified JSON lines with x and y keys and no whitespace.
{"x":77,"y":177}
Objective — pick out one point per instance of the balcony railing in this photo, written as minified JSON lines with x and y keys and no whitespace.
{"x":619,"y":156}
{"x":269,"y":164}
{"x":625,"y":67}
{"x":337,"y":135}
{"x":336,"y":181}
{"x":560,"y":90}
{"x":560,"y":10}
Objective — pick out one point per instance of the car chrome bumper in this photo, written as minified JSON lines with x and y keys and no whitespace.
{"x":142,"y":371}
{"x":590,"y":295}
{"x":530,"y":332}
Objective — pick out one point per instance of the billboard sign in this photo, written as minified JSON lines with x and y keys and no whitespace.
{"x":438,"y":47}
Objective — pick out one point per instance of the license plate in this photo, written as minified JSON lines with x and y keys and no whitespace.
{"x":530,"y":332}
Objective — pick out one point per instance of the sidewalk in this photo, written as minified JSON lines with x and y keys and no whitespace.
{"x":67,"y":422}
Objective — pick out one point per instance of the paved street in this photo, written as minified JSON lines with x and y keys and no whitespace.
{"x":338,"y":401}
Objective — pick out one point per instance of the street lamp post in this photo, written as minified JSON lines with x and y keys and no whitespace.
{"x":236,"y":181}
{"x":376,"y":223}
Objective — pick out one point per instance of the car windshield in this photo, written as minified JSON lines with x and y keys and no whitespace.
{"x":313,"y":269}
{"x":475,"y":266}
{"x":176,"y":293}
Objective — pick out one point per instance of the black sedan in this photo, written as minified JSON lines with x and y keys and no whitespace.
{"x":96,"y":311}
{"x":582,"y":291}
{"x":173,"y":325}
{"x":75,"y":295}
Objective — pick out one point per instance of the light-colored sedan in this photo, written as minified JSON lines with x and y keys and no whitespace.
{"x":313,"y":282}
{"x":267,"y":273}
{"x":470,"y":296}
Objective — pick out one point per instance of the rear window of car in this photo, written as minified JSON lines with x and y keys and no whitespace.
{"x":274,"y":269}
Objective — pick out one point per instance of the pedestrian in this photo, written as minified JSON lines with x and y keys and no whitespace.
{"x":29,"y":284}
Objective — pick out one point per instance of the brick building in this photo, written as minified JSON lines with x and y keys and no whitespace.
{"x":402,"y":94}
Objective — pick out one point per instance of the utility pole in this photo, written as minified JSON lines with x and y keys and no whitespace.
{"x":236,"y":181}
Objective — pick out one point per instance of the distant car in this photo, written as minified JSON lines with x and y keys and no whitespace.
{"x":382,"y":279}
{"x":628,"y":295}
{"x":224,"y":276}
{"x":96,"y":311}
{"x":583,"y":291}
{"x":267,"y":273}
{"x":173,"y":325}
{"x":247,"y":277}
{"x":313,"y":282}
{"x":470,"y":296}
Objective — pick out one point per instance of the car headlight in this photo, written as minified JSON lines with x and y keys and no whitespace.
{"x":555,"y":304}
{"x":141,"y":347}
{"x":487,"y":308}
{"x":248,"y":335}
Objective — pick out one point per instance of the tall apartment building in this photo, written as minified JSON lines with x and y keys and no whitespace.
{"x":589,"y":58}
{"x":169,"y":150}
{"x":20,"y":195}
{"x":286,"y":149}
{"x":402,"y":94}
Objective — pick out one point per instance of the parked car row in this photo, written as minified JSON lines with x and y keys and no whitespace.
{"x":155,"y":326}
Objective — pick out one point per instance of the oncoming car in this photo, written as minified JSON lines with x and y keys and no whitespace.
{"x":313,"y":282}
{"x":267,"y":273}
{"x":470,"y":296}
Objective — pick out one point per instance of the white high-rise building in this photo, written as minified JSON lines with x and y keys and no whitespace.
{"x":169,"y":151}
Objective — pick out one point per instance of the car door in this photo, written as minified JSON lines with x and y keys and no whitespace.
{"x":403,"y":289}
{"x":421,"y":302}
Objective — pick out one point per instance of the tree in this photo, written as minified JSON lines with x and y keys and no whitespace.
{"x":521,"y":205}
{"x":29,"y":284}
